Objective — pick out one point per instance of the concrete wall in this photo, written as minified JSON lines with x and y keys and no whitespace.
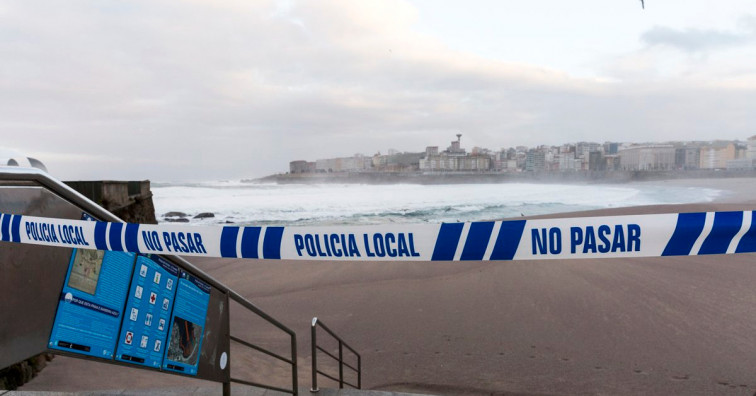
{"x":129,"y":200}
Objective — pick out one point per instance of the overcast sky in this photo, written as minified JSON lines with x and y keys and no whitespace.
{"x":227,"y":89}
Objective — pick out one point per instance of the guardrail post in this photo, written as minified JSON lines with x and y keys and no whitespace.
{"x":294,"y":371}
{"x":227,"y":382}
{"x":314,"y":339}
{"x":341,"y":365}
{"x":359,"y":372}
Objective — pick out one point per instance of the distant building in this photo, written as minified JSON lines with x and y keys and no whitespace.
{"x":612,"y":162}
{"x":403,"y":162}
{"x":583,"y":149}
{"x":647,"y":157}
{"x":455,"y":158}
{"x":357,"y":163}
{"x":688,"y":157}
{"x":299,"y":167}
{"x":611,"y":148}
{"x":455,"y":148}
{"x":716,"y":154}
{"x":535,"y":160}
{"x":751,"y":148}
{"x":739,"y":164}
{"x":596,"y":161}
{"x":567,"y":162}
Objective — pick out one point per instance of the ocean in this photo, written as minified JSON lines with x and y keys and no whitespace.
{"x":244,"y":203}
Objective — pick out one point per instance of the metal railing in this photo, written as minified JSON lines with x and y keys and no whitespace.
{"x":34,"y":178}
{"x":340,"y":359}
{"x":291,"y":361}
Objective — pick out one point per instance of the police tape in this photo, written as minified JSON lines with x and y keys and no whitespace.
{"x":565,"y":238}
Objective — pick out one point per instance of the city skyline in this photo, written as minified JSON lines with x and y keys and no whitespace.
{"x":573,"y":156}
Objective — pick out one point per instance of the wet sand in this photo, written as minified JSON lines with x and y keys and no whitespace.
{"x":734,"y":190}
{"x":660,"y":326}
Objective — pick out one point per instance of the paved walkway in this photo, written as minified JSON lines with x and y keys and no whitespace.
{"x":202,"y":391}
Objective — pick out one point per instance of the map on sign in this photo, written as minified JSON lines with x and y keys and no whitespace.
{"x":85,"y":270}
{"x":187,"y":324}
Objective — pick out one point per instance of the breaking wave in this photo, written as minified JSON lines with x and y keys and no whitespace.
{"x":329,"y":204}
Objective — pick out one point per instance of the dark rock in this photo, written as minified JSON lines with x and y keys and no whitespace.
{"x":142,"y":211}
{"x":28,"y":372}
{"x":175,"y":214}
{"x":204,"y":215}
{"x":38,"y":363}
{"x":177,"y":220}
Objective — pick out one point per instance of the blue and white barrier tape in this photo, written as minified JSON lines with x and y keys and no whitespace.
{"x":586,"y":237}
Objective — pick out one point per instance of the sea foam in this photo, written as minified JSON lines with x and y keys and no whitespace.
{"x":328,"y":204}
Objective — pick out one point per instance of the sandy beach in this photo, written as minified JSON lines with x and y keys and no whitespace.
{"x":658,"y":326}
{"x":734,"y":190}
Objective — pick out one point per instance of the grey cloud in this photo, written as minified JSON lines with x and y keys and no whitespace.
{"x":190,"y":90}
{"x":694,"y":40}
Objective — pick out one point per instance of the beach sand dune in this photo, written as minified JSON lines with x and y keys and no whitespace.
{"x":682,"y":325}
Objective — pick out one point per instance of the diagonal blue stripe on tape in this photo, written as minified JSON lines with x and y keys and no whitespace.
{"x":726,"y":226}
{"x":250,"y":242}
{"x":100,"y":236}
{"x":114,"y":237}
{"x":689,"y":227}
{"x":748,"y":241}
{"x":477,"y":240}
{"x":447,"y":241}
{"x":272,"y":242}
{"x":15,"y":228}
{"x":228,"y":241}
{"x":132,"y":237}
{"x":508,"y":240}
{"x":6,"y":227}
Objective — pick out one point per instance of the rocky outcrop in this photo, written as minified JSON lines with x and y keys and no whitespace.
{"x":175,"y":214}
{"x":176,"y":219}
{"x":18,"y":374}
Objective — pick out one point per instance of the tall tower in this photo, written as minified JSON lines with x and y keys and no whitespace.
{"x":455,"y":145}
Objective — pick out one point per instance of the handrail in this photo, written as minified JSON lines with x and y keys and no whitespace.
{"x":340,"y":358}
{"x":65,"y":192}
{"x":232,"y":295}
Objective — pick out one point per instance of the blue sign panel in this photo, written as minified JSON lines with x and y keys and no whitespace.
{"x":187,"y":325}
{"x":148,"y":311}
{"x":91,"y":302}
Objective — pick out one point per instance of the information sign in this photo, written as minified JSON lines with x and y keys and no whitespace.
{"x":187,"y":325}
{"x":91,"y":302}
{"x":148,"y":311}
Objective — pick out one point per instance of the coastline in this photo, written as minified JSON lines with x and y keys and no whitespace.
{"x":597,"y":177}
